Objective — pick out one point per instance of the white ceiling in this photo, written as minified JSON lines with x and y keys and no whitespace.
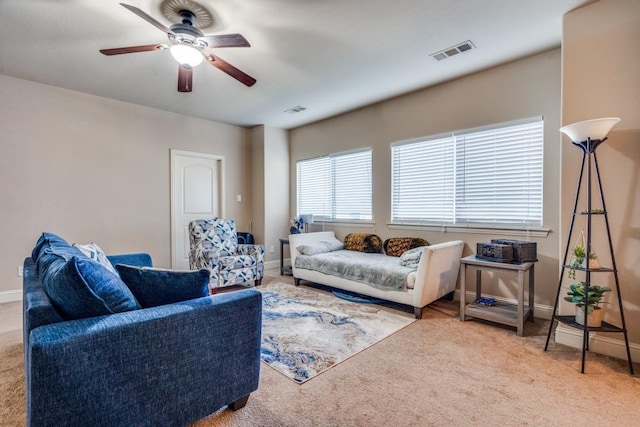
{"x":329,"y":56}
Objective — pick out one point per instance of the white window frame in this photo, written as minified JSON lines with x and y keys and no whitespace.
{"x":436,"y":165}
{"x":334,"y":196}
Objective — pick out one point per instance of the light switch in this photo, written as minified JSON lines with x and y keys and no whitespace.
{"x":238,"y":197}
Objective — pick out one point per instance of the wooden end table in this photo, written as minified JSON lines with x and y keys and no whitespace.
{"x":284,"y":270}
{"x":502,"y":312}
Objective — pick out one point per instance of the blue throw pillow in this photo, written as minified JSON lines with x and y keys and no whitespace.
{"x":47,"y":240}
{"x":51,"y":254}
{"x":80,"y":287}
{"x":153,"y":287}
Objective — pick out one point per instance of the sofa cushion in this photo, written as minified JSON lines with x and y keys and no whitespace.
{"x":47,"y":240}
{"x":93,"y":251}
{"x":153,"y":286}
{"x":411,"y":258}
{"x":363,"y":242}
{"x":321,"y":247}
{"x":51,"y":253}
{"x":80,"y":287}
{"x":396,"y":246}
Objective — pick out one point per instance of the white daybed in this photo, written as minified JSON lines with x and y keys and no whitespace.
{"x":436,"y":276}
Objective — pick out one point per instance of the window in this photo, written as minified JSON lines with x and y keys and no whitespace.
{"x":489,"y":177}
{"x":335,"y":187}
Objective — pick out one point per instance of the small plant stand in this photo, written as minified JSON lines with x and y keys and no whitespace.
{"x":589,"y":162}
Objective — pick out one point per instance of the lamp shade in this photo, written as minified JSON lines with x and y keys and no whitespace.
{"x":186,"y":55}
{"x":596,"y":129}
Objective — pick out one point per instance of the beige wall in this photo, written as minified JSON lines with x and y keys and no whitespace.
{"x":95,"y":169}
{"x":270,"y":188}
{"x":276,"y":188}
{"x":525,"y":88}
{"x":601,"y":78}
{"x":256,"y":138}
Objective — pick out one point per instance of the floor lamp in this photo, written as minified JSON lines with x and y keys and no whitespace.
{"x":588,"y":135}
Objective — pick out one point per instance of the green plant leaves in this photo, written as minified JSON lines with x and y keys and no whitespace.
{"x":577,"y":295}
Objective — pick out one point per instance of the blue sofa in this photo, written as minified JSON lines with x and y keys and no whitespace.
{"x":170,"y":364}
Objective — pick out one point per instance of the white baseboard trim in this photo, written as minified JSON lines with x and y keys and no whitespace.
{"x":272,"y":264}
{"x":597,"y":343}
{"x":539,"y":310}
{"x":11,"y":296}
{"x":573,"y":337}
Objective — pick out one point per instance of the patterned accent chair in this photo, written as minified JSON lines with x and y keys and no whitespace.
{"x":214,"y":246}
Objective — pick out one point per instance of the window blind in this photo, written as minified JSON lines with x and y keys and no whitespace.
{"x":485,"y":177}
{"x":423,"y":181}
{"x":336,"y":187}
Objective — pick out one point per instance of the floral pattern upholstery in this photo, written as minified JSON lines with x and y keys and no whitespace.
{"x":214,"y":246}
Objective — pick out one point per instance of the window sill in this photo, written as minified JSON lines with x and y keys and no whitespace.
{"x":536,"y":232}
{"x":354,"y":224}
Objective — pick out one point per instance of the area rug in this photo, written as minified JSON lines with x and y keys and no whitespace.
{"x":305,"y":332}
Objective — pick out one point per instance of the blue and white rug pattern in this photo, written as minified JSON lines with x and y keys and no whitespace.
{"x":305,"y":331}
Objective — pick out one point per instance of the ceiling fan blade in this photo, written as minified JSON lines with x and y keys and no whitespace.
{"x":133,"y":49}
{"x":148,"y":18}
{"x":220,"y":64}
{"x":185,"y":79}
{"x":226,"y":40}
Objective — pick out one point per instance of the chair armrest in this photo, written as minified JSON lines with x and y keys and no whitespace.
{"x":171,"y":364}
{"x":253,"y":250}
{"x":206,"y":258}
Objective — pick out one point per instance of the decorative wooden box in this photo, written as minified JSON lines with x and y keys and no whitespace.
{"x":523,"y":251}
{"x":495,"y":252}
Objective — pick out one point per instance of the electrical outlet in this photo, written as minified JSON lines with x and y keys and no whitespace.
{"x":20,"y":272}
{"x":238,"y":197}
{"x":272,"y":249}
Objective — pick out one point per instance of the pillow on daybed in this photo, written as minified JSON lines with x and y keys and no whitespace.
{"x":363,"y":242}
{"x":154,"y":286}
{"x":321,"y":247}
{"x":396,"y":246}
{"x":411,"y":258}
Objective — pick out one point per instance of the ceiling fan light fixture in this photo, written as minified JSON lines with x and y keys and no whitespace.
{"x":186,"y":55}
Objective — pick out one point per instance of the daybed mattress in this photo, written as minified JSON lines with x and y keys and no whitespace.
{"x":378,"y":270}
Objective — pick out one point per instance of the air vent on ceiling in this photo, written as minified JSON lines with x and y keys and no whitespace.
{"x":295,"y":109}
{"x":452,"y":51}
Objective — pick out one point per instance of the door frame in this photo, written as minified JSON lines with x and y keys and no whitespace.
{"x":174,"y":191}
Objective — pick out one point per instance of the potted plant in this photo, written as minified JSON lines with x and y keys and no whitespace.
{"x":579,"y":258}
{"x":587,"y":304}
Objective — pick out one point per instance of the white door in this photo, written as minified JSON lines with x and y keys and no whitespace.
{"x":196,"y":193}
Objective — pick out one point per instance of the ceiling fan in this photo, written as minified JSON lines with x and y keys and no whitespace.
{"x":187,"y":45}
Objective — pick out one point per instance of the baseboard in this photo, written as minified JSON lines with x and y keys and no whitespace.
{"x":597,"y":343}
{"x":11,"y":296}
{"x":272,"y":264}
{"x":539,"y":310}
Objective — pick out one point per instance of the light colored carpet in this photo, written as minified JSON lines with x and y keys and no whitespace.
{"x":305,"y":332}
{"x":437,"y":371}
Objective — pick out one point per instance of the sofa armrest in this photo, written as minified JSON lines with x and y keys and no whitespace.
{"x":171,"y":364}
{"x":438,"y":271}
{"x":137,"y":260}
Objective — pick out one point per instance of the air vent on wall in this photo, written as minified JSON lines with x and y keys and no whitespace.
{"x":295,"y":109}
{"x":452,"y":51}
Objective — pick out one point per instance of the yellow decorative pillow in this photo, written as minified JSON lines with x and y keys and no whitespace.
{"x":363,"y":242}
{"x":396,"y":246}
